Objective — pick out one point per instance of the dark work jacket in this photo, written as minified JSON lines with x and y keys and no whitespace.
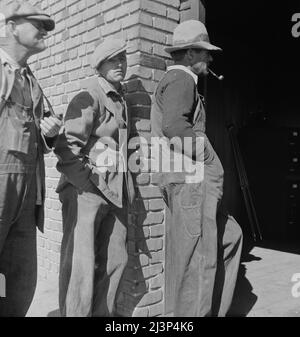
{"x":22,"y":145}
{"x":178,"y":111}
{"x":94,"y":117}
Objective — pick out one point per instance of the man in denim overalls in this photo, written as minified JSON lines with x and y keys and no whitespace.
{"x":200,"y":235}
{"x":25,"y":135}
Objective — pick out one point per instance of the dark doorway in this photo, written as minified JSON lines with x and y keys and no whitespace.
{"x":259,"y":95}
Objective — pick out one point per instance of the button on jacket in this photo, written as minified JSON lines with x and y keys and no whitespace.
{"x":97,"y":115}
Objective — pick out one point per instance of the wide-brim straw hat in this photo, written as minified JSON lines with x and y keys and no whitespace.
{"x":191,"y":34}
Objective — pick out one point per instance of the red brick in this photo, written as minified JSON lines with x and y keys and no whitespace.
{"x":146,"y":19}
{"x":130,"y":20}
{"x":157,"y":282}
{"x":153,"y":7}
{"x":154,"y":244}
{"x":75,"y":20}
{"x":111,"y":28}
{"x":152,"y":271}
{"x":173,"y":3}
{"x":157,"y":231}
{"x":156,"y":205}
{"x":164,"y":24}
{"x":154,"y":218}
{"x":157,"y":257}
{"x":140,"y":45}
{"x":152,"y":34}
{"x":140,"y":312}
{"x":152,"y":62}
{"x":108,"y":4}
{"x":92,"y":35}
{"x":151,"y":298}
{"x":173,"y":14}
{"x":149,"y":192}
{"x":132,"y":32}
{"x":185,"y":5}
{"x":156,"y":309}
{"x":59,"y":6}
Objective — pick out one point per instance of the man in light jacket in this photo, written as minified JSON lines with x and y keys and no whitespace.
{"x":26,"y":133}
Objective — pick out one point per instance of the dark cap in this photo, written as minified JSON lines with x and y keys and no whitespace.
{"x":23,"y":9}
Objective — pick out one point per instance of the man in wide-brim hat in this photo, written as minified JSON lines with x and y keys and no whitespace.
{"x":95,"y":196}
{"x":26,"y":133}
{"x":196,"y":223}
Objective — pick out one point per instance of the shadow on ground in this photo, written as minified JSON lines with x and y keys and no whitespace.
{"x":244,"y":299}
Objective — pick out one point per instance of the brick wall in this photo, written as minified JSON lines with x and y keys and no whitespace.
{"x":63,"y":70}
{"x":142,"y":290}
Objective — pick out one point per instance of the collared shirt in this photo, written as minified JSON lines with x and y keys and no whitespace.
{"x":6,"y":58}
{"x":108,"y":89}
{"x":121,"y":117}
{"x":186,"y":69}
{"x":22,"y":93}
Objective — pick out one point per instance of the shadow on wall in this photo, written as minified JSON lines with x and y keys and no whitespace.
{"x":133,"y":285}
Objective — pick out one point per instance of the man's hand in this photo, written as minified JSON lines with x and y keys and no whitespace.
{"x":50,"y":126}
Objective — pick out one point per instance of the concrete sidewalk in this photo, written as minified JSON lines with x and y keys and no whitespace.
{"x":45,"y":301}
{"x":264,"y":287}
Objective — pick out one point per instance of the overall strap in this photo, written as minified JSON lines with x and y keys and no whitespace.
{"x":49,"y":105}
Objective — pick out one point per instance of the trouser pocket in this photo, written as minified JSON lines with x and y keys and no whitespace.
{"x":191,"y":203}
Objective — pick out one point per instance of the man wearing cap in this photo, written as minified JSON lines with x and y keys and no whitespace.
{"x":198,"y":229}
{"x":95,"y":188}
{"x":25,"y":135}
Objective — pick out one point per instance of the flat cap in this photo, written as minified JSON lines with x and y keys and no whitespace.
{"x":23,"y":9}
{"x":107,"y":49}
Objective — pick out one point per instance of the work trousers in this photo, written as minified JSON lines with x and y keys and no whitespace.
{"x":93,"y":253}
{"x":18,"y":257}
{"x":205,"y":247}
